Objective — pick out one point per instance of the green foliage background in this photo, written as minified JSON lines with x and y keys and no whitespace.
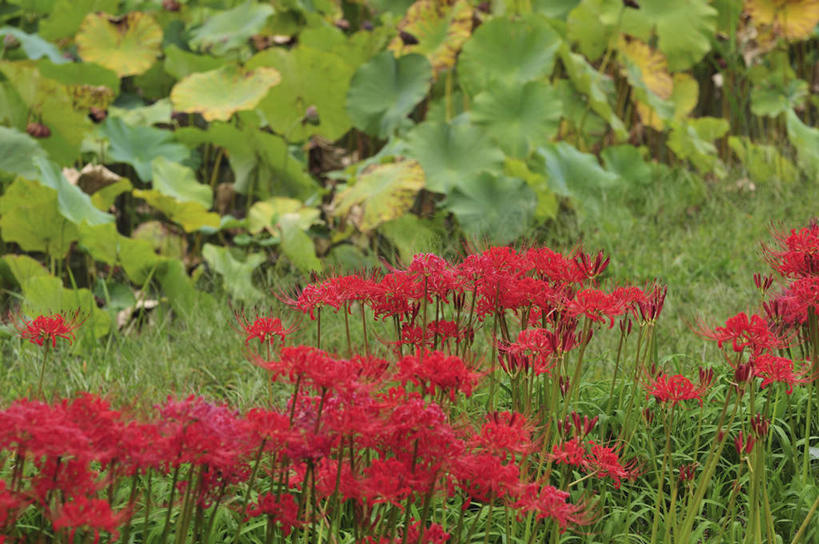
{"x":150,"y":145}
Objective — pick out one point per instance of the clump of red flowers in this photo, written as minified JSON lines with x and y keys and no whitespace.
{"x":47,"y":329}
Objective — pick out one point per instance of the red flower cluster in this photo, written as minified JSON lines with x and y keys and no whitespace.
{"x":46,"y":329}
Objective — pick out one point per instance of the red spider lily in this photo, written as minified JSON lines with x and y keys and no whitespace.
{"x":759,"y":425}
{"x":572,"y":425}
{"x":546,"y":501}
{"x":744,"y":332}
{"x":651,"y":307}
{"x":596,"y":306}
{"x":605,"y":462}
{"x":554,"y":267}
{"x":506,"y":434}
{"x":675,"y":389}
{"x":282,"y":509}
{"x":94,"y":514}
{"x":264,"y":329}
{"x":779,"y":369}
{"x":433,"y":534}
{"x":571,"y":452}
{"x":11,"y":504}
{"x":688,"y":471}
{"x":591,"y":267}
{"x":534,"y":348}
{"x":797,"y":254}
{"x":744,"y":443}
{"x":435,"y":372}
{"x":46,"y":329}
{"x":484,"y":477}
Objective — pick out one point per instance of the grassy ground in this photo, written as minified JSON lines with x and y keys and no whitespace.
{"x":702,"y":240}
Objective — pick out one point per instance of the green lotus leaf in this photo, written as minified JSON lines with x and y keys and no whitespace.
{"x":577,"y":175}
{"x":192,"y":216}
{"x":508,"y":51}
{"x":310,"y":78}
{"x":128,"y":45}
{"x":385,"y":90}
{"x":595,"y":86}
{"x":684,"y":30}
{"x":237,"y":274}
{"x":354,"y":50}
{"x":592,"y":26}
{"x":19,"y":152}
{"x":266,"y":213}
{"x":261,"y":162}
{"x":105,"y":244}
{"x":383,"y":192}
{"x":519,"y":117}
{"x":230,"y":29}
{"x":157,"y":113}
{"x":46,"y":295}
{"x":411,"y":235}
{"x":52,"y":103}
{"x":441,"y":30}
{"x":72,"y":202}
{"x":34,"y":46}
{"x":628,"y":163}
{"x":219,"y":93}
{"x":296,"y":244}
{"x":23,"y":267}
{"x":547,"y":205}
{"x":451,"y":152}
{"x":80,"y":74}
{"x":806,"y":141}
{"x":30,"y":217}
{"x":180,"y":63}
{"x":692,"y":139}
{"x":557,"y":9}
{"x":495,"y":208}
{"x":139,"y":146}
{"x":178,"y":181}
{"x":66,"y":16}
{"x":772,"y":98}
{"x":763,"y":162}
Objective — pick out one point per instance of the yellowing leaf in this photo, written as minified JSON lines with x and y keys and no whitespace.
{"x":191,"y":215}
{"x":128,"y":45}
{"x":441,"y":30}
{"x":218,"y":94}
{"x":792,"y":19}
{"x":652,"y":65}
{"x":383,"y":192}
{"x":653,"y":73}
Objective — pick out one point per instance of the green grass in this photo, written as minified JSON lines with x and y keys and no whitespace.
{"x":702,"y":240}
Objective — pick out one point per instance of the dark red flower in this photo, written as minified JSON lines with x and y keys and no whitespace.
{"x":282,"y":509}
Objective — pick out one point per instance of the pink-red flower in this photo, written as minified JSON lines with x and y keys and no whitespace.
{"x":263,"y":329}
{"x":46,"y":329}
{"x":675,"y":389}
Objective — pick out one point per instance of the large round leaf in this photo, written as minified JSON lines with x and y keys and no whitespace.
{"x":230,"y":29}
{"x":497,"y":208}
{"x":577,"y":175}
{"x":440,"y":29}
{"x":385,"y":90}
{"x":793,"y":19}
{"x":510,"y":51}
{"x":127,"y":45}
{"x":450,"y":153}
{"x":218,"y":94}
{"x":19,"y":150}
{"x":519,"y":117}
{"x":684,"y":29}
{"x":138,"y":146}
{"x":384,"y":191}
{"x":309,"y":78}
